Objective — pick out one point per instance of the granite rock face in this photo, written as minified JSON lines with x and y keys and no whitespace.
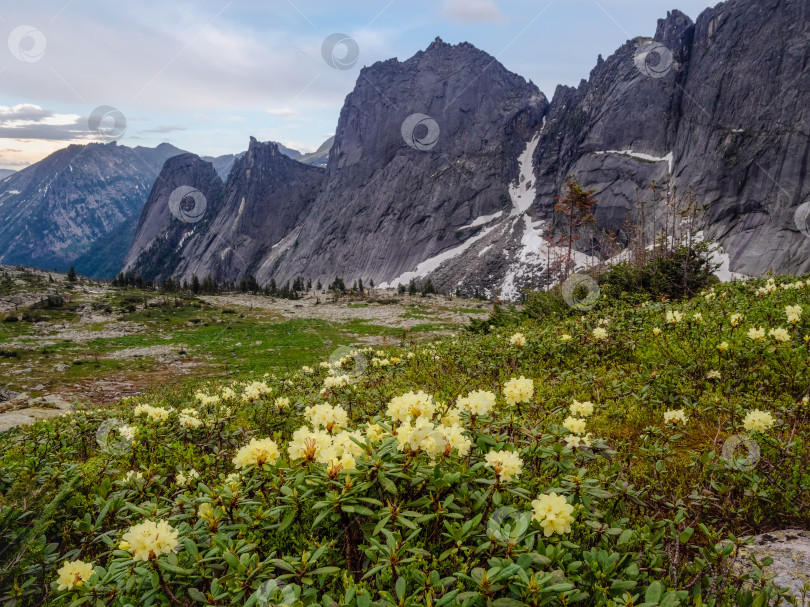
{"x":447,"y":165}
{"x":157,"y":247}
{"x":423,"y":148}
{"x":265,"y":197}
{"x":790,"y":551}
{"x":721,"y":107}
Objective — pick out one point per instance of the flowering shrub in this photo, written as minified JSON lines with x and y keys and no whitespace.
{"x":474,"y":471}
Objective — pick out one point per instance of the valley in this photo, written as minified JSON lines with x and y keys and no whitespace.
{"x":95,"y":344}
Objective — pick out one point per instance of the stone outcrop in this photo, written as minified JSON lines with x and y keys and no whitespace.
{"x":447,"y":165}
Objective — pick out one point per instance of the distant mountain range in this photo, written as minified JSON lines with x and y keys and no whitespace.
{"x":81,"y":206}
{"x":448,"y":166}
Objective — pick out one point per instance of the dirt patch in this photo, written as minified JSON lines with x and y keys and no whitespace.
{"x":161,"y":354}
{"x":397,"y":314}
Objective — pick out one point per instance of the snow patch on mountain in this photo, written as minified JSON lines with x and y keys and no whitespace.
{"x":669,"y":158}
{"x":523,"y":193}
{"x":429,"y":265}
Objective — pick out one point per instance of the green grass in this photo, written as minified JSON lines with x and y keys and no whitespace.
{"x":650,"y":504}
{"x":199,"y":332}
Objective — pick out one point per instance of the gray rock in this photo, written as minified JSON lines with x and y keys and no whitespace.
{"x":156,"y":249}
{"x":719,"y":108}
{"x":790,"y":551}
{"x":265,"y":197}
{"x":6,"y":395}
{"x":387,"y":205}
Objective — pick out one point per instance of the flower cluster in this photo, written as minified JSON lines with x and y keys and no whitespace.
{"x":506,"y":464}
{"x":411,"y":404}
{"x":207,"y":399}
{"x":128,"y":432}
{"x":421,"y":434}
{"x":794,"y":314}
{"x":333,"y":418}
{"x":320,"y":446}
{"x":518,"y":339}
{"x":759,"y":421}
{"x":73,"y":573}
{"x":575,"y":425}
{"x":573,"y":441}
{"x":149,"y":540}
{"x":154,"y":413}
{"x":182,"y":479}
{"x":756,"y":333}
{"x":675,"y":416}
{"x":335,"y":381}
{"x":779,"y":334}
{"x":256,"y":453}
{"x":553,"y":513}
{"x":583,"y":409}
{"x":518,"y":390}
{"x":479,"y":402}
{"x":255,"y":390}
{"x":190,"y":418}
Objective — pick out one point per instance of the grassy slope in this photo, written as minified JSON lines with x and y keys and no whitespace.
{"x":657,"y":498}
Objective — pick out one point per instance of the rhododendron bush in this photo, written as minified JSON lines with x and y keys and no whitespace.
{"x":617,"y":458}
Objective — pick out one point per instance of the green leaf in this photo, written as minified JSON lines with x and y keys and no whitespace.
{"x":654,"y":592}
{"x":320,"y":570}
{"x":670,"y":600}
{"x":387,"y":484}
{"x":197,"y":595}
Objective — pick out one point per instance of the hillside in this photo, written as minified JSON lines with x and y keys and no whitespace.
{"x":614,"y":456}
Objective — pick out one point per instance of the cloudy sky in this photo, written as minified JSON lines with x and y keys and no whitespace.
{"x":205,"y":75}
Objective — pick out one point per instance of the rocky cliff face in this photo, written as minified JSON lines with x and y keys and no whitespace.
{"x":264,"y":198}
{"x":716,"y":110}
{"x":448,"y":165}
{"x":54,"y":211}
{"x":423,"y":148}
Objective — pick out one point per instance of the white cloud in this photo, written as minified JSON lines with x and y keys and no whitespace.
{"x":282,"y":112}
{"x":27,"y":121}
{"x":472,"y":11}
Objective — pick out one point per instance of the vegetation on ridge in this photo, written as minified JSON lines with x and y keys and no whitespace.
{"x":610,"y":458}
